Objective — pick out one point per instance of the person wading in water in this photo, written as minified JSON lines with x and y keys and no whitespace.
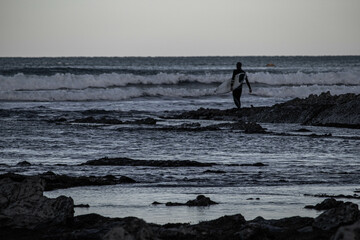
{"x":239,"y":75}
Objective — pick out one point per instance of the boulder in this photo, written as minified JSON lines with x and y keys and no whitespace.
{"x":22,"y":204}
{"x":23,"y":164}
{"x":350,"y":232}
{"x":328,"y":203}
{"x":344,"y":214}
{"x":200,"y":201}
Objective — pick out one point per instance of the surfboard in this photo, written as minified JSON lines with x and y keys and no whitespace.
{"x":225,"y":86}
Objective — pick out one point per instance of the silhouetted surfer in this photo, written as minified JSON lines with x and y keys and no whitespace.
{"x":239,"y":75}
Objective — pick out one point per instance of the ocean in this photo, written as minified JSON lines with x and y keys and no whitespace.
{"x":36,"y":92}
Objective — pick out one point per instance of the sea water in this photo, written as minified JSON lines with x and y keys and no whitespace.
{"x":36,"y":91}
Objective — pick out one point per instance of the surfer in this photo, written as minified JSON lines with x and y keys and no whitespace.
{"x":239,"y":75}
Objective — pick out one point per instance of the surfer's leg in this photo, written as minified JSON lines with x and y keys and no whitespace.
{"x":236,"y":95}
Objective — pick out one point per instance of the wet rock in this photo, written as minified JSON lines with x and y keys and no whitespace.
{"x":346,"y":213}
{"x":350,"y":232}
{"x":102,"y":120}
{"x":23,"y":164}
{"x":124,"y":179}
{"x":252,"y":127}
{"x":258,"y":164}
{"x":148,"y":121}
{"x":81,"y":206}
{"x":354,"y":196}
{"x":54,"y":181}
{"x":22,"y":204}
{"x":200,"y":201}
{"x":96,"y":227}
{"x":302,"y":130}
{"x":328,"y":203}
{"x":319,"y":110}
{"x":152,"y":163}
{"x":225,"y":227}
{"x":188,"y":127}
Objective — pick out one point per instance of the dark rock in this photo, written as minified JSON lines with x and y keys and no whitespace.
{"x":302,"y":130}
{"x":149,"y":121}
{"x":319,"y":110}
{"x":326,"y":204}
{"x":350,"y":232}
{"x":22,"y":205}
{"x":54,"y":181}
{"x":124,"y":179}
{"x":346,"y":213}
{"x":174,"y":204}
{"x":225,"y":227}
{"x":190,"y":128}
{"x":258,"y":164}
{"x":200,"y":201}
{"x":152,"y":163}
{"x":252,"y":127}
{"x":81,"y":206}
{"x":102,"y":120}
{"x":355,"y":196}
{"x":156,"y":203}
{"x":23,"y":164}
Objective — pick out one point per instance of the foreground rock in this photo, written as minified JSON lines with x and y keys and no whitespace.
{"x":22,"y":205}
{"x":54,"y":181}
{"x":26,"y":214}
{"x":319,"y":110}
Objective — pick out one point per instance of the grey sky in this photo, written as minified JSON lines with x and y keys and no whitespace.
{"x":179,"y":27}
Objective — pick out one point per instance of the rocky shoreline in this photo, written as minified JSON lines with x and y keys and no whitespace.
{"x":316,"y":110}
{"x":26,"y":214}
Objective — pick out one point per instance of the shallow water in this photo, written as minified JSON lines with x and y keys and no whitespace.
{"x":35,"y":92}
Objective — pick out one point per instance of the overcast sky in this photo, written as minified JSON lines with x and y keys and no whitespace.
{"x":179,"y":27}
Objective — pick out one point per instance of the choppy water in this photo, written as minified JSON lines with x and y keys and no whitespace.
{"x":35,"y":91}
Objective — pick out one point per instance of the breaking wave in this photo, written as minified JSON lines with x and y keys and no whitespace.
{"x":115,"y":86}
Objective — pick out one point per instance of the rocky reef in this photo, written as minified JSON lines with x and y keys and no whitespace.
{"x":26,"y":214}
{"x":318,"y":110}
{"x":52,"y":181}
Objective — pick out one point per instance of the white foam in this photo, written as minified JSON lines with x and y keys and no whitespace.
{"x":70,"y":87}
{"x":111,"y":94}
{"x":300,"y":78}
{"x":304,"y":91}
{"x":71,"y":81}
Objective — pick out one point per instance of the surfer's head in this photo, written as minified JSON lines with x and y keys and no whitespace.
{"x":238,"y":65}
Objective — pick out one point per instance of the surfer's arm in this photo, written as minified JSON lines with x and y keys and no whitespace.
{"x":248,"y":84}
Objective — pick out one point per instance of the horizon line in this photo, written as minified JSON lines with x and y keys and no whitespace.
{"x":183,"y":56}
